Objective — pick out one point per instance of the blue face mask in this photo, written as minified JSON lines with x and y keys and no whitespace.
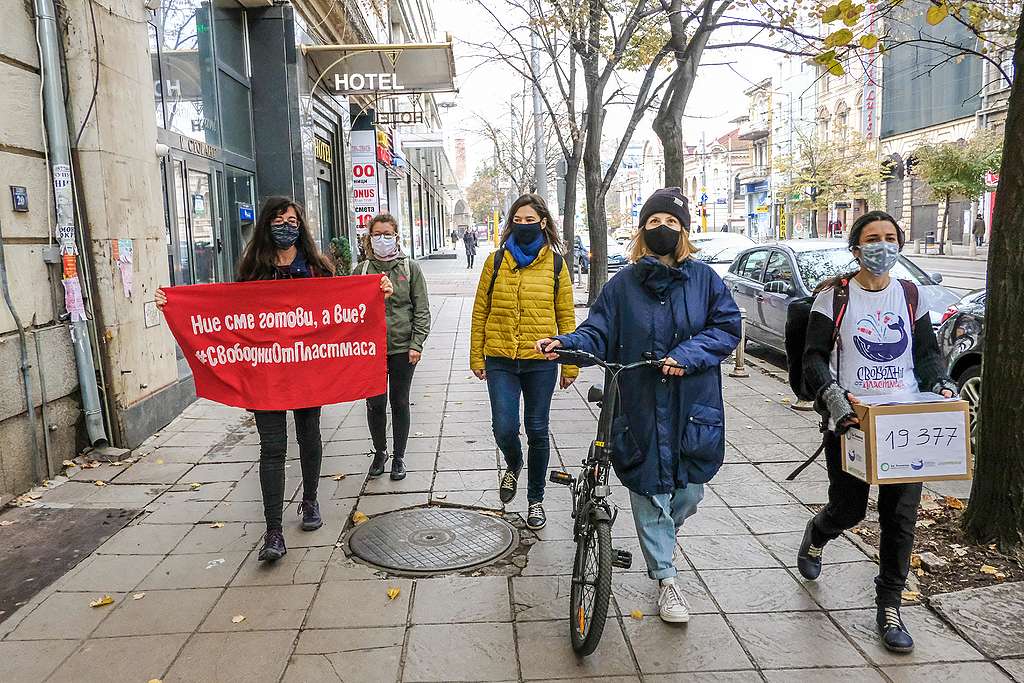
{"x":284,"y":235}
{"x":878,"y":258}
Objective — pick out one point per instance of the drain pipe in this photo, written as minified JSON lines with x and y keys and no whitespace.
{"x":69,"y":235}
{"x":30,"y":407}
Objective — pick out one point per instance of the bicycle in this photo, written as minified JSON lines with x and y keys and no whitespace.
{"x":594,"y":514}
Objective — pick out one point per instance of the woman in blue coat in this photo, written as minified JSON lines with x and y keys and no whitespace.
{"x":669,"y":434}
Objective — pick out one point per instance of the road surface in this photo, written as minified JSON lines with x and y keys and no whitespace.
{"x":960,"y":276}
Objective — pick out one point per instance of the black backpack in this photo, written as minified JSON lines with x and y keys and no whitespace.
{"x":499,"y":256}
{"x":799,"y":314}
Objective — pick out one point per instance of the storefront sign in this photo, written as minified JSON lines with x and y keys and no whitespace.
{"x":399,"y":118}
{"x":250,"y":344}
{"x":385,"y":150}
{"x":359,"y":82}
{"x":198,"y":147}
{"x":322,"y":150}
{"x":365,"y":201}
{"x":246,"y":214}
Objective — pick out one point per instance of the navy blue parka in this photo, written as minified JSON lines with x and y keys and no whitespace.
{"x":669,"y":431}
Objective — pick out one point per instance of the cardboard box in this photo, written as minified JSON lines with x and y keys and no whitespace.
{"x":909,"y":442}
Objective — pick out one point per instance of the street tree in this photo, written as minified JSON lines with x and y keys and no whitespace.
{"x":958,"y":169}
{"x":513,"y":150}
{"x":483,"y":195}
{"x":995,"y":513}
{"x":823,"y":171}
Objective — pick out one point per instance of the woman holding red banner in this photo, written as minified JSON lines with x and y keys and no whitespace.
{"x":524,"y":291}
{"x":282,"y":247}
{"x":408,"y":320}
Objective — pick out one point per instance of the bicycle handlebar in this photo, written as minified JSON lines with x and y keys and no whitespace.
{"x":570,"y":354}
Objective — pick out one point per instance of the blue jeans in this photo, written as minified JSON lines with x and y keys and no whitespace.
{"x":658,"y":519}
{"x":535,"y":380}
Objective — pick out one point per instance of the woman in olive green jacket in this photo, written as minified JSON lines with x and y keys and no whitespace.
{"x":408,"y":320}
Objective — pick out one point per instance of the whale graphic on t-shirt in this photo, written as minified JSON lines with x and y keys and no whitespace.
{"x":884,"y":352}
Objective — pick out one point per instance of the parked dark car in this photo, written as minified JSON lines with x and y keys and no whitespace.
{"x":962,"y":343}
{"x":766,"y":278}
{"x":616,"y":255}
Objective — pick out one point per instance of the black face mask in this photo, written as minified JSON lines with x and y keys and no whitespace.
{"x":661,"y":240}
{"x":526,"y":233}
{"x":284,"y":235}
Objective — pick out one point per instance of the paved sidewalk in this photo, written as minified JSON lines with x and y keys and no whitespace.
{"x":184,"y":571}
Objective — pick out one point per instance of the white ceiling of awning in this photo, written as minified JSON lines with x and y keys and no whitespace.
{"x":401,"y":69}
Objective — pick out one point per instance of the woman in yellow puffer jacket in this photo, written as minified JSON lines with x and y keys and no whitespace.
{"x":510,"y":311}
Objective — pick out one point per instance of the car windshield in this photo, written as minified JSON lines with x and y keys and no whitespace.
{"x":816,"y":266}
{"x":720,"y":253}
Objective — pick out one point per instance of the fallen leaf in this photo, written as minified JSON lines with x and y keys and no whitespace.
{"x":159,"y":461}
{"x":953,"y":503}
{"x":215,"y":563}
{"x":69,"y":463}
{"x":100,"y":482}
{"x":920,"y":572}
{"x":959,"y":552}
{"x":138,"y":596}
{"x":358,"y":518}
{"x":155,"y":680}
{"x":238,"y":619}
{"x":440,"y":496}
{"x":999,"y":576}
{"x":195,"y":486}
{"x":393,"y":592}
{"x":637,"y":614}
{"x":91,"y":465}
{"x":338,"y":477}
{"x":217,"y":525}
{"x":6,"y":522}
{"x":928,"y":503}
{"x":925,"y":523}
{"x":34,"y":496}
{"x":915,"y":560}
{"x":417,"y":434}
{"x":105,"y":600}
{"x":911,"y":596}
{"x":988,"y":569}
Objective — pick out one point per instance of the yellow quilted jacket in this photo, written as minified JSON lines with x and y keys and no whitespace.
{"x":521,"y":310}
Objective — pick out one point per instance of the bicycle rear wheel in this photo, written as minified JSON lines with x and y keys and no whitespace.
{"x":591,"y":588}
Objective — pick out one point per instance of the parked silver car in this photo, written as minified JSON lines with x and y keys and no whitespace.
{"x":766,"y":278}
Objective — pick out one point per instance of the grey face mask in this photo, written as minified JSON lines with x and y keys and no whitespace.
{"x":879,"y":257}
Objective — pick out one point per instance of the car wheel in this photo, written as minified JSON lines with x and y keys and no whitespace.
{"x":969,"y":382}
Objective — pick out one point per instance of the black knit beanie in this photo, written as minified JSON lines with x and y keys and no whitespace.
{"x":666,"y":200}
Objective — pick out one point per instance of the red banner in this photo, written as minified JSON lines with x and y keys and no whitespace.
{"x":284,"y":344}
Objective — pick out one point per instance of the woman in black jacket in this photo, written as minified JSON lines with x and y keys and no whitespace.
{"x":282,"y":248}
{"x":885,"y":345}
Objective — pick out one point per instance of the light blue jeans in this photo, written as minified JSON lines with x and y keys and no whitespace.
{"x":658,"y":519}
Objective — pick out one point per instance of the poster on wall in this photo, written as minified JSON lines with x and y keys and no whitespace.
{"x":365,"y":200}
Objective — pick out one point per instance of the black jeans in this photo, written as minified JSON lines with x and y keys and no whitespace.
{"x":400,"y":372}
{"x":897,"y":515}
{"x":273,"y":429}
{"x":469,"y":258}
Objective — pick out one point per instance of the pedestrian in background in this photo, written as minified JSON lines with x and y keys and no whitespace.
{"x":408,"y":320}
{"x":669,"y":430}
{"x":282,"y":248}
{"x":470,"y":242}
{"x":873,"y":300}
{"x":979,"y":230}
{"x":455,"y":238}
{"x":524,"y":294}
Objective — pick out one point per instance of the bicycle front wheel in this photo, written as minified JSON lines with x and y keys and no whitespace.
{"x":591,"y":587}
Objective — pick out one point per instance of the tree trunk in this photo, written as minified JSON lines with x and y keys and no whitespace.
{"x":814,"y":223}
{"x":944,"y":232}
{"x":572,"y":173}
{"x":596,"y":211}
{"x":996,"y":510}
{"x":670,"y":133}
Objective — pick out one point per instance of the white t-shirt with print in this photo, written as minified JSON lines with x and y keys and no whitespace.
{"x":875,"y":352}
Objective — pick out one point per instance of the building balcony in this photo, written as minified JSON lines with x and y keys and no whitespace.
{"x":754,"y":174}
{"x":754,"y":130}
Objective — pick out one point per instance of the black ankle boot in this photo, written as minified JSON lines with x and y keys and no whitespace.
{"x":377,"y":466}
{"x":273,"y":546}
{"x":397,"y":468}
{"x":894,"y":632}
{"x":310,"y":512}
{"x":808,"y":558}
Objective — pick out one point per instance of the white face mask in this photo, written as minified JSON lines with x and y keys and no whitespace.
{"x":384,"y":246}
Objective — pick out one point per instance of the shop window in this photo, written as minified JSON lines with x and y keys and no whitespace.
{"x":236,"y":111}
{"x":231,"y":33}
{"x":189,"y":85}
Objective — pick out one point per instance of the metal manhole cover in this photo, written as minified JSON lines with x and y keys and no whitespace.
{"x":431,"y":539}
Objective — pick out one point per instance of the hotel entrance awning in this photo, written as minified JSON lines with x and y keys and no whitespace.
{"x":372,"y":69}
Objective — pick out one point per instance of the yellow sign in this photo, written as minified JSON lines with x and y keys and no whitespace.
{"x":322,"y":150}
{"x":782,"y":224}
{"x":496,"y":221}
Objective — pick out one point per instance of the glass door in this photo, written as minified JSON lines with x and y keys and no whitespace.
{"x":205,"y":242}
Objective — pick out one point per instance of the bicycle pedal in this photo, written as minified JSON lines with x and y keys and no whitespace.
{"x":560,"y":477}
{"x":623,"y":559}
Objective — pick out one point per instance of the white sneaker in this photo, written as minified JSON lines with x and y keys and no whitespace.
{"x":672,"y":605}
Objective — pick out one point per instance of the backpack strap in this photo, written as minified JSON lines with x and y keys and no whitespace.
{"x":840,"y":303}
{"x":499,"y":256}
{"x":364,"y":267}
{"x":559,"y":262}
{"x":913,"y":296}
{"x":403,"y":268}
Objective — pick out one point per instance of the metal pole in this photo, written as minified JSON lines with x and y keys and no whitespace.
{"x":540,"y":167}
{"x":59,"y":146}
{"x":739,"y":368}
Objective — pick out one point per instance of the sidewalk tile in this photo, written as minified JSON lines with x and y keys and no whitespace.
{"x":210,"y":570}
{"x":774,"y":518}
{"x":33,"y":661}
{"x":358,"y":604}
{"x":335,"y":641}
{"x":177,"y":512}
{"x":739,"y":474}
{"x":681,"y":648}
{"x":635,"y":590}
{"x":477,"y":460}
{"x":206,"y":492}
{"x":149,"y":472}
{"x":107,"y":573}
{"x":378,"y":505}
{"x":343,"y":568}
{"x":414,"y":482}
{"x":232,"y":537}
{"x":178,"y":454}
{"x":254,"y":657}
{"x":784,"y":546}
{"x":131,"y":496}
{"x":461,"y":599}
{"x":138,"y":658}
{"x":209,"y":474}
{"x":171,"y":611}
{"x":300,"y":565}
{"x":335,"y":514}
{"x":235,"y":511}
{"x":772,"y":452}
{"x":849,"y":585}
{"x":795,"y":639}
{"x":538,"y":598}
{"x":489,"y":500}
{"x":934,"y":641}
{"x":549,"y":558}
{"x":989,"y":616}
{"x":144,"y":539}
{"x":807,"y":492}
{"x":858,"y":675}
{"x":946,"y":673}
{"x":265,"y":608}
{"x":727,"y":552}
{"x":467,"y":481}
{"x":1014,"y":667}
{"x":713,"y":521}
{"x":369,"y":666}
{"x":472,"y":652}
{"x":778,"y":471}
{"x":105,"y":472}
{"x":64,"y":615}
{"x":762,"y":590}
{"x":750,"y":495}
{"x":708,"y":677}
{"x":546,"y":653}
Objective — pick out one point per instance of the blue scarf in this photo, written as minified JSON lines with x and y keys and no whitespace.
{"x":524,"y":254}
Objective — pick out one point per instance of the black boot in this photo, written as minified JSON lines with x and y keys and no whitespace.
{"x":310,"y":512}
{"x":273,"y":546}
{"x":894,"y":632}
{"x":397,"y":468}
{"x":808,"y":558}
{"x":377,"y":466}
